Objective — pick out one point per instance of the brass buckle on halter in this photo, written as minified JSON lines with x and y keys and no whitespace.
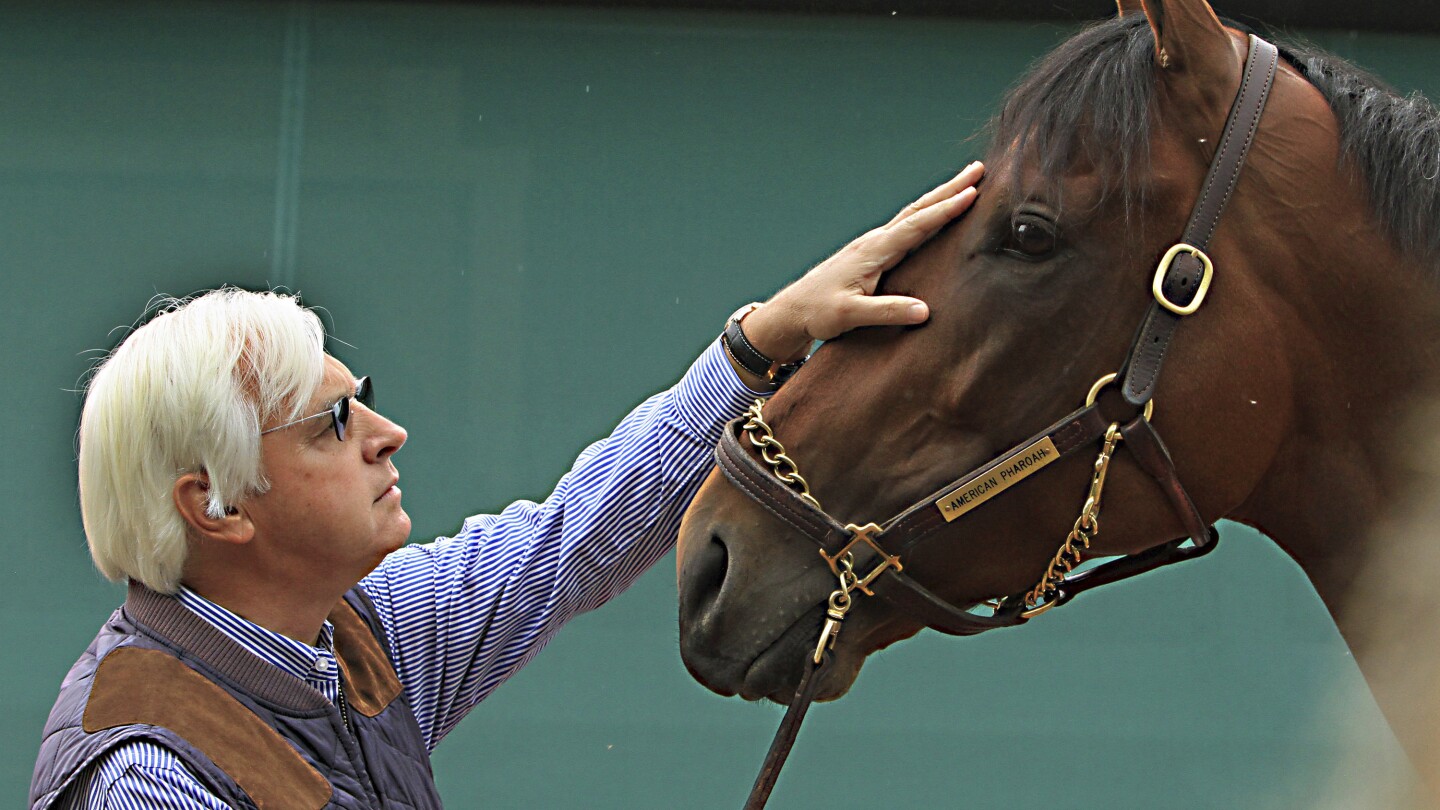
{"x":1158,"y":285}
{"x":859,"y":534}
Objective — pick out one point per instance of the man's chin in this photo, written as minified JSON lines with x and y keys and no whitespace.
{"x":391,"y":545}
{"x":376,"y":560}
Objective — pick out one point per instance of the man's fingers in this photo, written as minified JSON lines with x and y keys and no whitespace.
{"x":837,"y":291}
{"x":916,"y":228}
{"x":883,"y":248}
{"x":968,"y":176}
{"x":887,"y":310}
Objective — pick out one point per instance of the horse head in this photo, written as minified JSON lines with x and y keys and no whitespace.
{"x":1275,"y":396}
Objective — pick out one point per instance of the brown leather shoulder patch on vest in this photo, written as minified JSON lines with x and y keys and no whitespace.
{"x":154,"y":688}
{"x":370,"y":679}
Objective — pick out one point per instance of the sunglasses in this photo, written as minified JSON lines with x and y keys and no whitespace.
{"x":340,"y":411}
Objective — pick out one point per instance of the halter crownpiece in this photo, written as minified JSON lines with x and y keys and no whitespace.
{"x":1182,"y":279}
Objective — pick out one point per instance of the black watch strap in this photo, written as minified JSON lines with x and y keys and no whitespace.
{"x":752,"y":359}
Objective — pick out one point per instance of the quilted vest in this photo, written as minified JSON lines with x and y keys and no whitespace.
{"x":255,"y":736}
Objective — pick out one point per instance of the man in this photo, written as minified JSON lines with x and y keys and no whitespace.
{"x":280,"y":646}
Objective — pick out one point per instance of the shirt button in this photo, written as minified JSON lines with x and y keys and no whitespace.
{"x":323,"y":665}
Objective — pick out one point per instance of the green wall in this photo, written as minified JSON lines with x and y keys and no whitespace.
{"x":476,"y":195}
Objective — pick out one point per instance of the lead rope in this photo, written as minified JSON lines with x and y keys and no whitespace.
{"x":815,"y":666}
{"x":785,"y":735}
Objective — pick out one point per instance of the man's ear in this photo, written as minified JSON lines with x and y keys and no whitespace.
{"x":192,"y":499}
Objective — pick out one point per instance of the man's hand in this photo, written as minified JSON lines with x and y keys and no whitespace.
{"x":838,"y":294}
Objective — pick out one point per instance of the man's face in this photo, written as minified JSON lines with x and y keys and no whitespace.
{"x":332,"y":510}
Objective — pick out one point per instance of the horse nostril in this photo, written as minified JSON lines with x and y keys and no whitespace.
{"x":712,"y":577}
{"x":704,"y":578}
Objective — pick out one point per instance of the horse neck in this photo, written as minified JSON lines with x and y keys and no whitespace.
{"x":1351,"y":494}
{"x":1365,"y":354}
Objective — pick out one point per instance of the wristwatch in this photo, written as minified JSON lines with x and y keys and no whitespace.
{"x":745,"y":355}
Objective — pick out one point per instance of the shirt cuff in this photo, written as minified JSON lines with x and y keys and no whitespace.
{"x":711,"y":393}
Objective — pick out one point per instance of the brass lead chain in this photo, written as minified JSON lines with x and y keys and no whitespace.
{"x":1085,"y":530}
{"x":773,"y":452}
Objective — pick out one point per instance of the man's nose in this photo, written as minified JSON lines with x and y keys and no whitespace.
{"x":386,"y":438}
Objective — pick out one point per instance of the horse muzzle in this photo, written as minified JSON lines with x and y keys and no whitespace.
{"x":751,"y":601}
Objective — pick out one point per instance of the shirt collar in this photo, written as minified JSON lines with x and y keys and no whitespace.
{"x":289,"y":655}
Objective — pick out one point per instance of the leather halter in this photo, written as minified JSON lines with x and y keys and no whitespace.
{"x":1179,"y":286}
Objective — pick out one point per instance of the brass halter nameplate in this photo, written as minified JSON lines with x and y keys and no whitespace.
{"x":1004,"y":474}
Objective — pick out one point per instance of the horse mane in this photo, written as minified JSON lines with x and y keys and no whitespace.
{"x":1090,"y":98}
{"x":1394,"y":140}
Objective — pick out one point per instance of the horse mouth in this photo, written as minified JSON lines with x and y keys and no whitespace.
{"x":775,"y":673}
{"x":777,"y":670}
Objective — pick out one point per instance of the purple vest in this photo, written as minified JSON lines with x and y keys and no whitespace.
{"x":179,"y":683}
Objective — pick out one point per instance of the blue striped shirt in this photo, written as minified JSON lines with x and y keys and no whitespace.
{"x":464,"y":613}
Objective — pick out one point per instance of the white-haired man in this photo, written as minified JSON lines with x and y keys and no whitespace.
{"x":280,"y":646}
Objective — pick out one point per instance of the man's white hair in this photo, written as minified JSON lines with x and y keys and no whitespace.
{"x":188,"y":392}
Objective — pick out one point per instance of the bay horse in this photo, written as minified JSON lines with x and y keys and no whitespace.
{"x":1283,"y":402}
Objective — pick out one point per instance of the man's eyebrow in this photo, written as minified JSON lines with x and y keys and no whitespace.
{"x":328,"y":400}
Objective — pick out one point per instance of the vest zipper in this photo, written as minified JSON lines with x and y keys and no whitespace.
{"x":344,"y":710}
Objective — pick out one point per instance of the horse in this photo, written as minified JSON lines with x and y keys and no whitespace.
{"x":1285,"y":402}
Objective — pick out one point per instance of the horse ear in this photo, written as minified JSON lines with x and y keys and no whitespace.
{"x":1129,"y":7}
{"x":1188,"y":35}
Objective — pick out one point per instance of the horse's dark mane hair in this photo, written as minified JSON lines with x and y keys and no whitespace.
{"x":1090,"y":99}
{"x":1394,"y":139}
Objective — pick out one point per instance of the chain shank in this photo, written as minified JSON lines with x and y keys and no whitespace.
{"x":1086,"y":529}
{"x":763,"y":439}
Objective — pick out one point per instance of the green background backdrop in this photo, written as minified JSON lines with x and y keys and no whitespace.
{"x":474,"y":194}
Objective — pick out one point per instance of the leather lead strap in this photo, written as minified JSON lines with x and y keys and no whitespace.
{"x":1142,"y":368}
{"x":785,"y":735}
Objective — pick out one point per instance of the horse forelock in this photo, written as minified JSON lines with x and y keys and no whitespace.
{"x":1090,"y":100}
{"x":1087,"y":100}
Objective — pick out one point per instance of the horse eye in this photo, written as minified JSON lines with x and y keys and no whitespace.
{"x":1031,"y":238}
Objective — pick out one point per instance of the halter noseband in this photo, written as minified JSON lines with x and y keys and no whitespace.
{"x":1180,"y":284}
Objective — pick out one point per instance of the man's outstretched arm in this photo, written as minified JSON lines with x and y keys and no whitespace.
{"x":464,"y":613}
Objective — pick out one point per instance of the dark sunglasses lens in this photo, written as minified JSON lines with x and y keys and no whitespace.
{"x":365,"y":392}
{"x":341,"y":413}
